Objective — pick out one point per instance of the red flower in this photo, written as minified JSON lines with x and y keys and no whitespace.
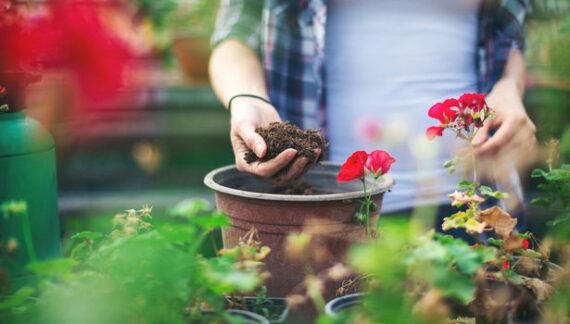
{"x":474,"y":101}
{"x":506,"y":265}
{"x":525,"y":244}
{"x":445,"y":112}
{"x":3,"y":91}
{"x":434,"y":131}
{"x":353,"y":168}
{"x":379,"y":162}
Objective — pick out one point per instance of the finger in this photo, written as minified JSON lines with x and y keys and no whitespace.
{"x":297,"y":168}
{"x":252,"y":139}
{"x":267,"y":168}
{"x":504,"y":134}
{"x":317,"y":154}
{"x":482,"y":134}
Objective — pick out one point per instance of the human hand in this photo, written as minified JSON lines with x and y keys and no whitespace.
{"x":247,"y":115}
{"x":514,"y":139}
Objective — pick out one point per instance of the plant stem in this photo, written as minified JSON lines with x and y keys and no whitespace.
{"x":367,"y":199}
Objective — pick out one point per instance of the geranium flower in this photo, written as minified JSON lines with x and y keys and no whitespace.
{"x":353,"y":168}
{"x":379,"y":162}
{"x":446,"y":113}
{"x":474,"y":101}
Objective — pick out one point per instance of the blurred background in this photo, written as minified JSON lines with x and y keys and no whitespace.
{"x":153,"y":140}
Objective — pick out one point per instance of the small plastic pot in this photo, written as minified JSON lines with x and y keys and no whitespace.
{"x":277,"y":307}
{"x":248,"y":317}
{"x":339,"y":304}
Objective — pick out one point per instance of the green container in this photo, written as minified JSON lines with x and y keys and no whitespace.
{"x":28,"y":174}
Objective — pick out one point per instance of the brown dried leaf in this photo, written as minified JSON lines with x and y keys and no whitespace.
{"x":529,"y":267}
{"x":541,"y":289}
{"x":498,"y":219}
{"x":513,"y":243}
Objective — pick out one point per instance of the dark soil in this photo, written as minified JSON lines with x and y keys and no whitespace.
{"x":281,"y":136}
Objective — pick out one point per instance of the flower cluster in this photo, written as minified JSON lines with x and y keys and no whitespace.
{"x":378,"y":162}
{"x":463,"y":115}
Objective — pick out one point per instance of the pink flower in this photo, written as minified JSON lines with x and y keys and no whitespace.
{"x":353,"y":168}
{"x":379,"y":162}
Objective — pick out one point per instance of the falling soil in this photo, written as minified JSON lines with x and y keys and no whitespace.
{"x":281,"y":136}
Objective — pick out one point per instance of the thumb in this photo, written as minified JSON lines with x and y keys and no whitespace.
{"x":253,"y":140}
{"x":482,"y":133}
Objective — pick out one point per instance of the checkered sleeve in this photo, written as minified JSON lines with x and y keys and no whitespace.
{"x":517,"y":10}
{"x":239,"y":19}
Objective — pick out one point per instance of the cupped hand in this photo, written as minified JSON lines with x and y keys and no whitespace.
{"x":247,"y":115}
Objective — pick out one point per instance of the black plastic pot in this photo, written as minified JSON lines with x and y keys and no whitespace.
{"x":277,"y":309}
{"x":340,"y":304}
{"x":248,"y":317}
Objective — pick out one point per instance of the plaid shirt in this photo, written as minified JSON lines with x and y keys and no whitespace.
{"x":290,"y":38}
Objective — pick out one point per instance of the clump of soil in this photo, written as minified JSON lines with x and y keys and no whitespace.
{"x":281,"y":136}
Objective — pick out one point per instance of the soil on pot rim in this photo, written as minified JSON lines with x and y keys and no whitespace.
{"x":281,"y":136}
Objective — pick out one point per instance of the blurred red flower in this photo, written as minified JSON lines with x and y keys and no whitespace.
{"x":525,"y":244}
{"x":379,"y":162}
{"x":353,"y":168}
{"x":66,"y":35}
{"x":506,"y":265}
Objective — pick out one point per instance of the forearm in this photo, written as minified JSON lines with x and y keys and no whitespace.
{"x":513,"y":78}
{"x":235,"y":69}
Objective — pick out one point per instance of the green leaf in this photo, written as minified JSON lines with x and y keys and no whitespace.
{"x":87,"y":235}
{"x":17,"y":299}
{"x":538,"y":173}
{"x":513,"y":277}
{"x":56,"y":267}
{"x":487,"y":191}
{"x":495,"y":242}
{"x":542,"y":201}
{"x":191,"y":208}
{"x":215,"y":220}
{"x":450,"y":165}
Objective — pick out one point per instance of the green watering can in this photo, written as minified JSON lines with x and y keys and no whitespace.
{"x":29,"y":221}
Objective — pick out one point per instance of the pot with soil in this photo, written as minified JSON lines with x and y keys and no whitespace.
{"x":315,"y":202}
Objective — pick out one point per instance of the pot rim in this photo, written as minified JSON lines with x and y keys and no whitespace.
{"x":383,"y":184}
{"x":351,"y":299}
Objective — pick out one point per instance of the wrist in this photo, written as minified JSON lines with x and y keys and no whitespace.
{"x":509,"y":85}
{"x":238,"y":102}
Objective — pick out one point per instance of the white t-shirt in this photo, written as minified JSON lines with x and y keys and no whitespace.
{"x":387,"y":62}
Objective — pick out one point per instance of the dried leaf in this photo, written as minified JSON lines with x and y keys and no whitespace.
{"x":526,"y":266}
{"x":541,"y":289}
{"x":432,"y":306}
{"x":498,"y":219}
{"x":513,"y":242}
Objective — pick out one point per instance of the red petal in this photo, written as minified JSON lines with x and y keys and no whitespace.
{"x":353,"y":168}
{"x":434,"y":131}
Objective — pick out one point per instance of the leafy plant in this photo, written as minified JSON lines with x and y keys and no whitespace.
{"x":139,"y":273}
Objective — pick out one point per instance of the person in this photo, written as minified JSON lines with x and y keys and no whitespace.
{"x":344,"y":66}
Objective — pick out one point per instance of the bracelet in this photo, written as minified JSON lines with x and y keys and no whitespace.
{"x":246,"y":95}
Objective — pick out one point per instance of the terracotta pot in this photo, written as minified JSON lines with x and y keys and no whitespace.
{"x":248,"y":202}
